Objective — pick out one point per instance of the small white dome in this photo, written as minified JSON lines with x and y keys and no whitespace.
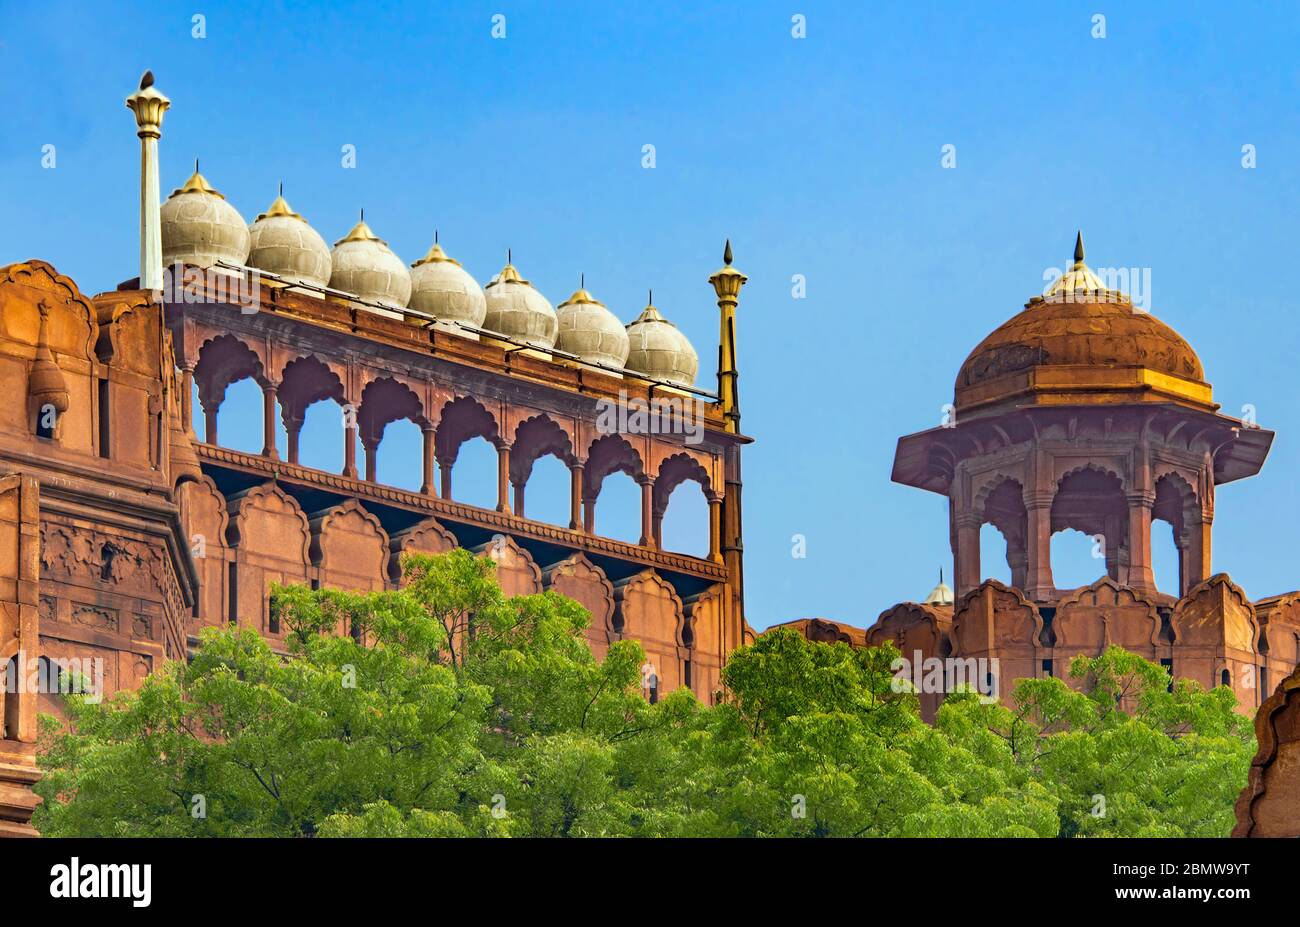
{"x":589,"y":330}
{"x":200,"y":228}
{"x":518,"y":311}
{"x":659,"y":351}
{"x":446,"y":291}
{"x":364,"y":267}
{"x":940,"y":594}
{"x":282,"y":243}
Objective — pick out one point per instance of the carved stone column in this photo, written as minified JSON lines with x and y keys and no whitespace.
{"x":966,"y":552}
{"x":647,"y":513}
{"x":715,"y":527}
{"x":268,"y":421}
{"x":426,"y":464}
{"x":1196,"y":552}
{"x":372,"y":460}
{"x":350,"y":451}
{"x":209,"y":424}
{"x":444,"y":473}
{"x":187,"y":398}
{"x":575,"y":495}
{"x":503,"y":478}
{"x":293,"y":428}
{"x":1038,"y":545}
{"x":1140,"y":575}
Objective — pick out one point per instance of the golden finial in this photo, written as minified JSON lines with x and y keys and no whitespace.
{"x":728,"y":281}
{"x":279,"y":207}
{"x":361,"y":232}
{"x":197,"y":184}
{"x":436,"y":255}
{"x":148,"y":105}
{"x":508,"y":273}
{"x":580,"y":295}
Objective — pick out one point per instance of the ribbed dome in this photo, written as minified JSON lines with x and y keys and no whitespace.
{"x":364,"y":267}
{"x":1078,"y":323}
{"x":591,"y":331}
{"x":281,"y":242}
{"x":518,"y":311}
{"x":442,"y":288}
{"x":200,"y":228}
{"x":659,"y":351}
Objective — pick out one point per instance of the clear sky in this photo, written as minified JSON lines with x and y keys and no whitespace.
{"x":819,"y":156}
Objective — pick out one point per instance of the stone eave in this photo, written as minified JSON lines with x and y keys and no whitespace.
{"x":1241,"y":455}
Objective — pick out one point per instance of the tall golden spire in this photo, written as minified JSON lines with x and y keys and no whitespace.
{"x":727,"y":283}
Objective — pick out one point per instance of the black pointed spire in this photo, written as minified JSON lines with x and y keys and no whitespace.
{"x":146,"y":80}
{"x":726,"y":253}
{"x":1078,"y":247}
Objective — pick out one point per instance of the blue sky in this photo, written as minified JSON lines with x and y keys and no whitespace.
{"x":817,"y":156}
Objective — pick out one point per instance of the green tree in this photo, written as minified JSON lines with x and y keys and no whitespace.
{"x":451,"y":711}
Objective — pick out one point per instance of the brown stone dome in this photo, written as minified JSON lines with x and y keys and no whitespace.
{"x":1110,"y":333}
{"x":1081,"y":340}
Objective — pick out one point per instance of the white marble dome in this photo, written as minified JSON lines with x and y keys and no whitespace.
{"x":446,"y":291}
{"x":200,"y":228}
{"x":364,"y":267}
{"x":282,"y":243}
{"x":659,"y":351}
{"x":589,"y":330}
{"x":518,"y":311}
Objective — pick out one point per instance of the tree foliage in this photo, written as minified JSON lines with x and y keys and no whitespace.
{"x":456,"y":712}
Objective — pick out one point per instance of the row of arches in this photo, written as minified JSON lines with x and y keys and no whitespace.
{"x":460,"y":452}
{"x":1096,"y":528}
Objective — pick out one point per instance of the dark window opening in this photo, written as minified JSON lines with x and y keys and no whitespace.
{"x":1168,"y":664}
{"x":1047,"y":668}
{"x":686,"y":673}
{"x":1225,"y":678}
{"x":105,"y":404}
{"x":232,"y":612}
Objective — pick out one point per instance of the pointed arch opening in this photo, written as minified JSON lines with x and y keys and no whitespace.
{"x":539,"y":470}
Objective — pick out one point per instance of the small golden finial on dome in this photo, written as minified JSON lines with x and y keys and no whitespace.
{"x":197,"y":184}
{"x":279,"y":207}
{"x":508,"y":273}
{"x":435,"y":255}
{"x":580,"y":295}
{"x":361,"y":232}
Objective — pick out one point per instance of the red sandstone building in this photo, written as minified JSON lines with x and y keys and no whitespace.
{"x":1083,"y":412}
{"x":124,"y":534}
